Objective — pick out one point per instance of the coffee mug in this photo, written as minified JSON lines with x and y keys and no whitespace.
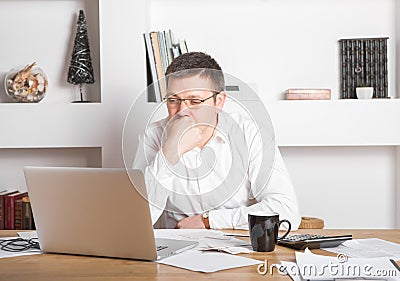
{"x":264,"y":231}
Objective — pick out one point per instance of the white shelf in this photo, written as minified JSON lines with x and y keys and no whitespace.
{"x":336,"y":122}
{"x":51,"y":125}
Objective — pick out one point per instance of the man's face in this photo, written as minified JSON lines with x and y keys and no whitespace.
{"x":194,"y":87}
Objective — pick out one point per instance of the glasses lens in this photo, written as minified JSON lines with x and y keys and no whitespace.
{"x":195,"y":101}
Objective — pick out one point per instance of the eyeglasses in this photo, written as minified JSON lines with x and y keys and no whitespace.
{"x":175,"y":102}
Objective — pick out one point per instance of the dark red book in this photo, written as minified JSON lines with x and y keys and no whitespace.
{"x":18,"y":215}
{"x":9,"y":206}
{"x":2,"y":207}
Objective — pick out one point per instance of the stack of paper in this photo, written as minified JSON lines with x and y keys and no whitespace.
{"x":200,"y":259}
{"x":310,"y":266}
{"x":368,"y":248}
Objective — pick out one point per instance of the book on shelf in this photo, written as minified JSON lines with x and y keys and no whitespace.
{"x":152,"y":91}
{"x":18,"y":214}
{"x":308,"y":94}
{"x":307,"y":91}
{"x":2,"y":207}
{"x":162,"y":47}
{"x":28,"y":222}
{"x":158,"y":58}
{"x":364,"y":62}
{"x":9,"y":208}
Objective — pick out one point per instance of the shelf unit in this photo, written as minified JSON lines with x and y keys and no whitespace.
{"x":337,"y":122}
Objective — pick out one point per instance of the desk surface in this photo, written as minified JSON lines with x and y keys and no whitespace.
{"x":53,"y":267}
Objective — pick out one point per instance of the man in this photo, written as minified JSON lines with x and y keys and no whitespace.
{"x":203,"y":166}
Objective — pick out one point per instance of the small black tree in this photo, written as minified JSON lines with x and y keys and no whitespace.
{"x":81,"y":70}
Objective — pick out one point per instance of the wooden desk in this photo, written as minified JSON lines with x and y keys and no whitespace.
{"x":53,"y":267}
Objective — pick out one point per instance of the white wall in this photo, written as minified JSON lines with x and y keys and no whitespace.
{"x":12,"y":160}
{"x":349,"y":187}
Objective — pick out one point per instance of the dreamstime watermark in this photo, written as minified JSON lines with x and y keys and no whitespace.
{"x":340,"y":268}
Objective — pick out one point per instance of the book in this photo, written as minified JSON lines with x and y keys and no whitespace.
{"x":154,"y":94}
{"x":18,"y":214}
{"x":168,"y":40}
{"x":183,"y":46}
{"x":27,"y":215}
{"x":308,"y":91}
{"x":308,"y":96}
{"x":2,"y":207}
{"x":9,"y":208}
{"x":364,"y":63}
{"x":159,"y":66}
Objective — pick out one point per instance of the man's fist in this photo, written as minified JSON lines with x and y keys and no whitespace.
{"x":183,"y":134}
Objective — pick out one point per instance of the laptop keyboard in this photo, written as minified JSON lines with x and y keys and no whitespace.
{"x":159,"y":248}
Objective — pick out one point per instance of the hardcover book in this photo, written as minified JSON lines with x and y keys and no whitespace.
{"x":27,"y":216}
{"x":309,"y":96}
{"x":9,"y":206}
{"x":308,"y":91}
{"x":18,"y":214}
{"x":364,"y":64}
{"x":2,"y":207}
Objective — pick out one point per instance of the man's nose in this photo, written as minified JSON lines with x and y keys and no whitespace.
{"x":183,"y":108}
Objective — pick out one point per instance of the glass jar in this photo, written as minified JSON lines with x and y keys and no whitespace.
{"x":27,"y":84}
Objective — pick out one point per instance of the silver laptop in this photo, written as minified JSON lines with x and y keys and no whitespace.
{"x":95,"y":211}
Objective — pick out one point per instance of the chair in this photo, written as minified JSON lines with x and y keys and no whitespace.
{"x":311,"y":223}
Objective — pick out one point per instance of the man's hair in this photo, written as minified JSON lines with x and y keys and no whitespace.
{"x":197,"y":63}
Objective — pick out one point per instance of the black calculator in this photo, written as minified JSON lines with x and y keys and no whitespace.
{"x":312,"y":241}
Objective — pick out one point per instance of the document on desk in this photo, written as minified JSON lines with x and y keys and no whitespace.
{"x":202,"y":258}
{"x":368,"y":248}
{"x":207,"y":262}
{"x":310,"y":266}
{"x":208,"y":239}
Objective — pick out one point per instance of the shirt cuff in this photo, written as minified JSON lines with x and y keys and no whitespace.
{"x":220,"y":218}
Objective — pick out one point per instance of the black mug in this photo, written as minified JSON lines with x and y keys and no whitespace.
{"x":264,"y":231}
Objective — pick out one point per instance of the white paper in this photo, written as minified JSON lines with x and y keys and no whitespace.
{"x":8,"y":254}
{"x":317,"y":267}
{"x":27,"y":234}
{"x":207,"y":261}
{"x":368,"y":248}
{"x":293,"y":272}
{"x":209,"y":240}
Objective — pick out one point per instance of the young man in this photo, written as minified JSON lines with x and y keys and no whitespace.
{"x":203,"y":166}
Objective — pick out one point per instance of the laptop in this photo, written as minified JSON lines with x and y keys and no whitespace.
{"x":97,"y":212}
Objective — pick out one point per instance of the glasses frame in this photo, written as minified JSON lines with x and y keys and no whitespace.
{"x":191,"y":105}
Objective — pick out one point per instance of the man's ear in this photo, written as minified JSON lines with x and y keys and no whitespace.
{"x":220,"y":100}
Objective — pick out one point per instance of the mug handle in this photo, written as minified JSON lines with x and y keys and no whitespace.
{"x":288,"y":230}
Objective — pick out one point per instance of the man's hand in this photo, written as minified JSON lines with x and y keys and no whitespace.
{"x":191,"y":222}
{"x":182,"y":136}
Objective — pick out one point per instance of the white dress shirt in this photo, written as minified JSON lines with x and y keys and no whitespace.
{"x":223,"y":178}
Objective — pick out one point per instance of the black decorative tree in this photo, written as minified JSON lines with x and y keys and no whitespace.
{"x":81,"y":70}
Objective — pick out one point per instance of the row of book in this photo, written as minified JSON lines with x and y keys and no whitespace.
{"x":15,"y":211}
{"x":308,"y":94}
{"x":162,"y":47}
